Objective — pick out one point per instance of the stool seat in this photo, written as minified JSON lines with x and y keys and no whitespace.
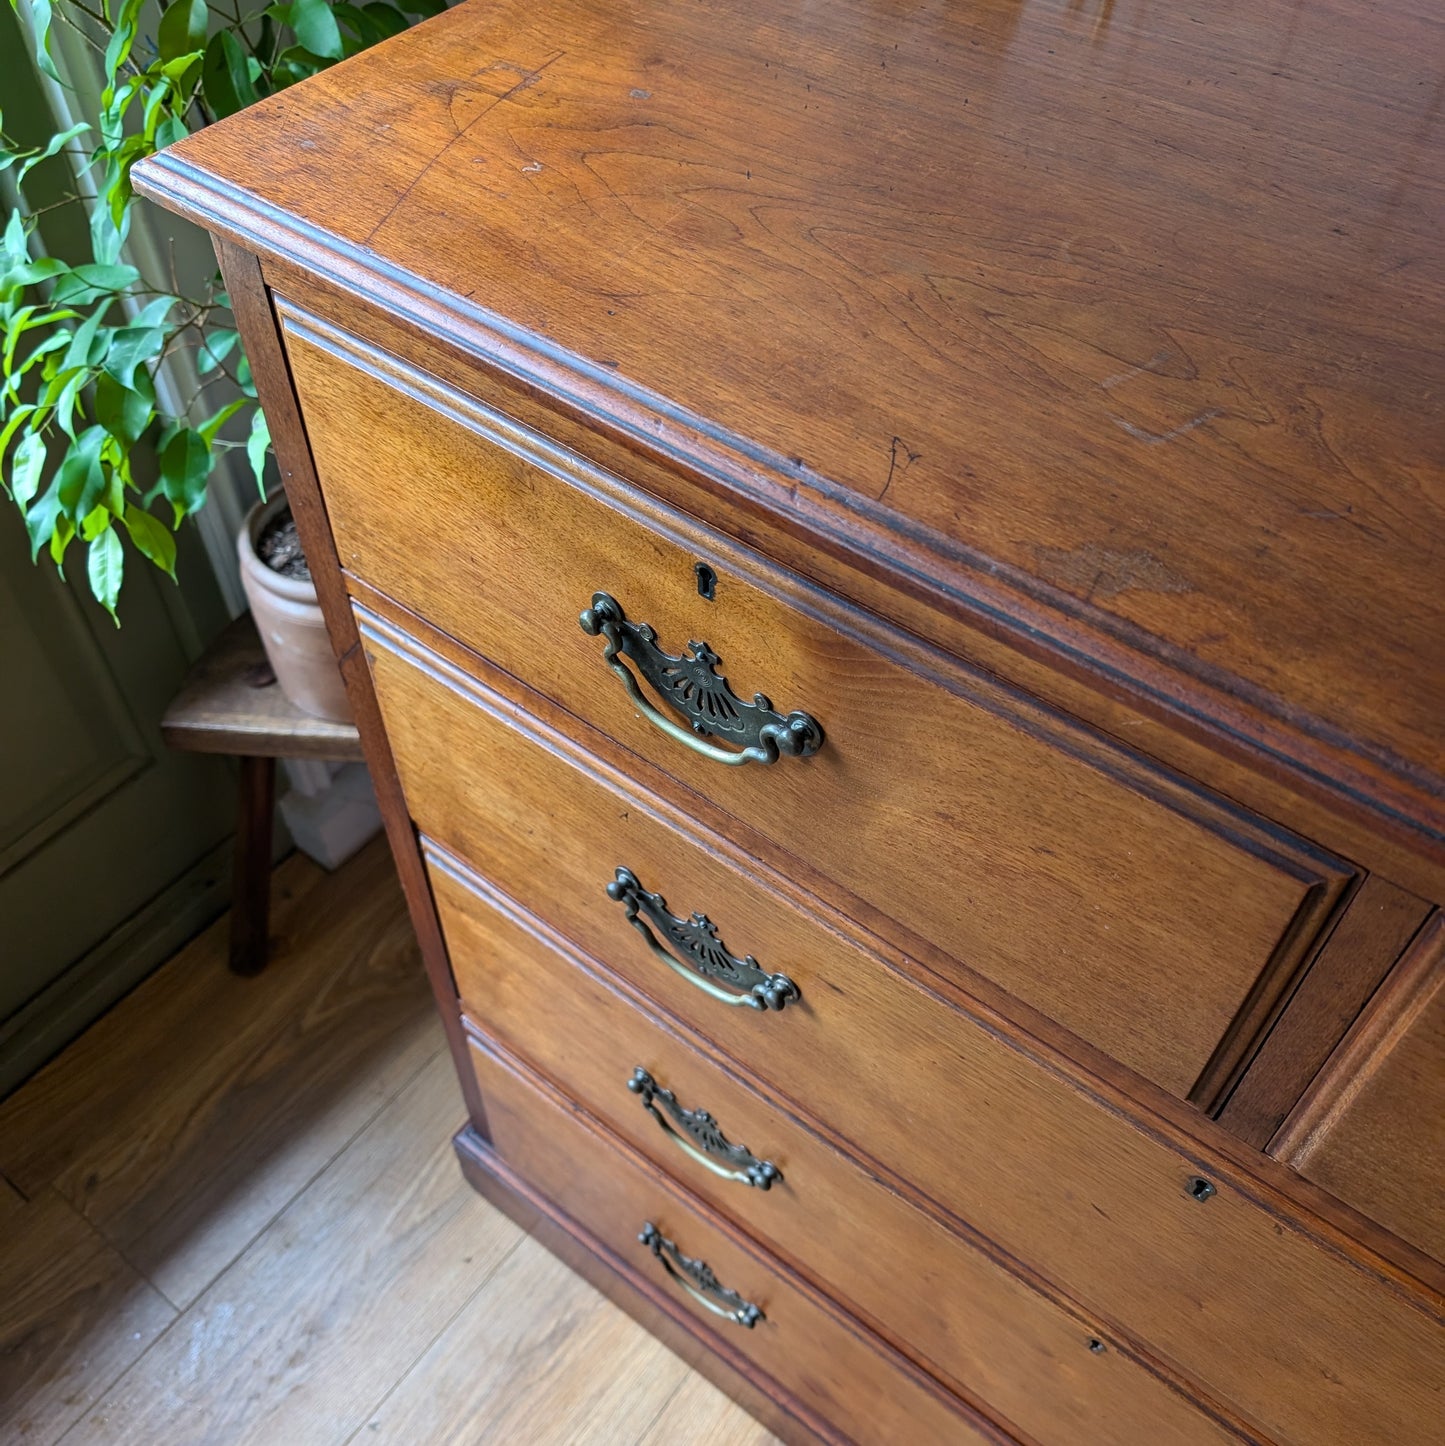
{"x":230,"y":703}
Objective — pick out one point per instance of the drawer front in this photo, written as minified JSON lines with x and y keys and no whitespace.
{"x":1230,"y":1292}
{"x":1149,"y":920}
{"x":1052,"y":1375}
{"x":1372,"y":1128}
{"x":864,"y":1391}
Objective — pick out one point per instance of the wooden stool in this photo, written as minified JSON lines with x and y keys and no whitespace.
{"x":230,"y":703}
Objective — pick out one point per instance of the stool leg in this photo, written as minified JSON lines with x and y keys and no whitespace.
{"x":251,"y":883}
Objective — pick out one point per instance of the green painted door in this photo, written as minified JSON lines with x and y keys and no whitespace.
{"x":111,"y":848}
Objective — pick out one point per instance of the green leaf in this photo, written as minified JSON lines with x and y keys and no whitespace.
{"x":106,"y":236}
{"x":57,"y":144}
{"x":225,"y":78}
{"x":17,"y":238}
{"x":29,"y":272}
{"x":26,"y":470}
{"x":169,"y":131}
{"x":52,"y":343}
{"x":186,"y":463}
{"x":367,"y":30}
{"x":81,"y":478}
{"x":214,"y":350}
{"x":78,"y":354}
{"x":243,"y":377}
{"x":390,"y":20}
{"x":313,"y":24}
{"x":105,"y":566}
{"x":114,"y":105}
{"x":130,"y":347}
{"x":183,"y":28}
{"x":113,"y":498}
{"x":60,"y":539}
{"x":40,"y":18}
{"x":13,"y":425}
{"x":153,"y":538}
{"x":156,"y":99}
{"x":67,"y":396}
{"x":294,"y":65}
{"x":124,"y":411}
{"x":15,"y":328}
{"x":95,"y":524}
{"x":154,"y":313}
{"x":41,"y":519}
{"x":424,"y":8}
{"x":212,"y":425}
{"x":116,"y":190}
{"x":123,"y":17}
{"x":257,"y":445}
{"x":94,"y":279}
{"x":184,"y":70}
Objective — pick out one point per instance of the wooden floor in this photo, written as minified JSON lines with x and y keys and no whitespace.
{"x":230,"y":1213}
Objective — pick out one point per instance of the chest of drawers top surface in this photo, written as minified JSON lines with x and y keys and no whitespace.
{"x":1114,"y":328}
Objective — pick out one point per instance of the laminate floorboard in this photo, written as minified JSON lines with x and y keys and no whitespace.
{"x":73,"y":1316}
{"x":184,"y":1120}
{"x":230,"y":1215}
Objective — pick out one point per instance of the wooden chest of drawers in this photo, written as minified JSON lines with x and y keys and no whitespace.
{"x":1020,"y":1021}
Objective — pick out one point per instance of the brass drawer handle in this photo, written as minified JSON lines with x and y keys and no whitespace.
{"x":694,"y":688}
{"x":696,"y":1133}
{"x":706,"y":957}
{"x":698,"y":1280}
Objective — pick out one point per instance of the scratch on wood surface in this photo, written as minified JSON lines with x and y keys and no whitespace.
{"x":896,"y":446}
{"x":1105,"y":572}
{"x":1157,"y":360}
{"x":525,"y":79}
{"x":1155,"y":439}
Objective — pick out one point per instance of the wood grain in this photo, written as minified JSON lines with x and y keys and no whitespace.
{"x":231,"y":703}
{"x":326,"y":1310}
{"x":1372,"y":1128}
{"x":251,"y":303}
{"x":506,"y":1369}
{"x":74,"y":1314}
{"x":1089,"y":884}
{"x":1096,"y":350}
{"x":152,"y":1122}
{"x":1053,"y":1375}
{"x":802,"y":1341}
{"x":1117,"y":701}
{"x":1091,"y":377}
{"x":1095,"y":1203}
{"x":700,"y":1415}
{"x":1370,"y":936}
{"x":662,"y":1315}
{"x":298,"y":1310}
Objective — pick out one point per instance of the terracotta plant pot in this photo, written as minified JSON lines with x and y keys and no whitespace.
{"x":292,"y":629}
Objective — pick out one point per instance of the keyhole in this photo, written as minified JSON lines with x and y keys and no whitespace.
{"x":1097,"y":1346}
{"x":706,"y":581}
{"x":1199,"y":1188}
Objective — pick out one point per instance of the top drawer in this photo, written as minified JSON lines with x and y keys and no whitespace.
{"x":1153,"y":921}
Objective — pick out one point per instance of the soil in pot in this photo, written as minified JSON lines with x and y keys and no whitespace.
{"x":280,"y":548}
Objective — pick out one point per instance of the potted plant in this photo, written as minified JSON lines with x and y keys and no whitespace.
{"x":95,"y":462}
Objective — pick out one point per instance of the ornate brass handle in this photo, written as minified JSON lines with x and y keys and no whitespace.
{"x":698,"y":1280}
{"x":696,"y":1133}
{"x":706,"y":957}
{"x":693,"y":687}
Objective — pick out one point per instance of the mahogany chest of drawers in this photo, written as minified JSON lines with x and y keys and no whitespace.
{"x":889,"y":562}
